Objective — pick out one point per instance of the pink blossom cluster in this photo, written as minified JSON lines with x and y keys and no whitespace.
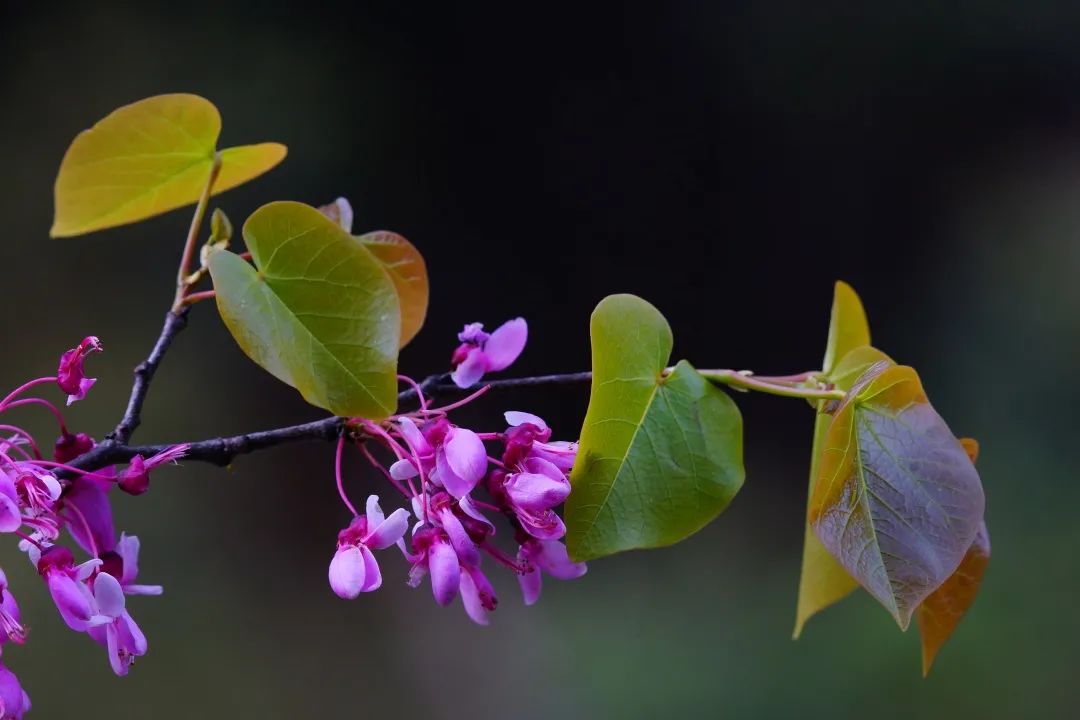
{"x":39,"y":499}
{"x":454,"y":481}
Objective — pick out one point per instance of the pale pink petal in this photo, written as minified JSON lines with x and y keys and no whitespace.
{"x":86,"y":569}
{"x":108,"y":595}
{"x":544,"y":467}
{"x":10,"y":517}
{"x":445,"y":572}
{"x":535,"y":492}
{"x":474,"y":333}
{"x":73,"y":604}
{"x":553,"y":559}
{"x":561,"y":454}
{"x":515,"y":418}
{"x":466,"y":549}
{"x":505,"y":344}
{"x":128,"y":550}
{"x":131,"y":635}
{"x":144,"y":589}
{"x":347,"y":572}
{"x":119,"y":666}
{"x":466,"y":456}
{"x":372,"y":577}
{"x":531,"y":583}
{"x":403,"y":470}
{"x":546,"y":525}
{"x":471,"y":369}
{"x":470,"y":598}
{"x":413,"y":437}
{"x":470,"y":509}
{"x":374,"y":512}
{"x":389,"y":531}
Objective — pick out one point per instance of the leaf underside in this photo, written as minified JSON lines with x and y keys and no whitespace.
{"x":406,"y":268}
{"x":897,"y":502}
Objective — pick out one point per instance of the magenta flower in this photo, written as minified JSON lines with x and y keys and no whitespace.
{"x":549,"y":556}
{"x":10,"y":514}
{"x":14,"y":702}
{"x":123,"y":564}
{"x":67,"y":585}
{"x":529,"y":436}
{"x":354,"y":569}
{"x":91,"y":523}
{"x":477,"y":594}
{"x":113,"y":627}
{"x":70,"y":376}
{"x":460,"y":462}
{"x":38,"y":489}
{"x":450,"y":576}
{"x":532,"y":492}
{"x":68,"y":446}
{"x":481,"y":353}
{"x":135,"y":479}
{"x":11,"y":629}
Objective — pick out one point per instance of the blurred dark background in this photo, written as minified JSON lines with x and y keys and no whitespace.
{"x":728,"y":161}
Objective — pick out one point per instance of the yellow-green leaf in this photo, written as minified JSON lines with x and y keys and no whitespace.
{"x":317,"y":310}
{"x":824,"y":581}
{"x":146,"y":158}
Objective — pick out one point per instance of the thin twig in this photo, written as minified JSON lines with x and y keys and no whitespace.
{"x":144,"y":374}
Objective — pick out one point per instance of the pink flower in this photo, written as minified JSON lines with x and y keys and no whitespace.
{"x":529,"y":436}
{"x":531,"y":493}
{"x":135,"y":479}
{"x":68,"y":446}
{"x":91,"y":521}
{"x":70,"y":376}
{"x":451,"y":457}
{"x":67,"y":585}
{"x":549,"y":556}
{"x":450,"y":576}
{"x":354,"y":569}
{"x":38,"y":489}
{"x":113,"y":627}
{"x":123,"y":564}
{"x":481,"y":353}
{"x":14,"y":701}
{"x":11,"y":629}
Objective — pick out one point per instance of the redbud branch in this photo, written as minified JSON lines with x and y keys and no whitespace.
{"x":144,"y":373}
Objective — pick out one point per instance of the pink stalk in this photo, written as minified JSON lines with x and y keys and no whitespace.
{"x":44,"y":403}
{"x":86,"y":528}
{"x":23,"y":388}
{"x":72,"y":468}
{"x":501,"y":557}
{"x":375,"y":463}
{"x":461,"y":403}
{"x":337,"y":475}
{"x":416,"y":387}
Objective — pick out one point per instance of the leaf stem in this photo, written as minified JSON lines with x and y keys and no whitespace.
{"x":193,"y":298}
{"x":736,"y":379}
{"x":193,"y":235}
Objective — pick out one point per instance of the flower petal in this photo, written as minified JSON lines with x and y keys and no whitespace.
{"x":553,"y":559}
{"x":466,"y":549}
{"x":373,"y":577}
{"x":128,"y":550}
{"x":535,"y":492}
{"x":471,"y":369}
{"x":516,"y":417}
{"x":505,"y":344}
{"x":108,"y":595}
{"x":470,"y":598}
{"x":347,"y":572}
{"x":467,"y":506}
{"x":531,"y":583}
{"x":73,"y":604}
{"x":374,"y":512}
{"x":403,"y":469}
{"x":389,"y":531}
{"x":413,"y":436}
{"x":467,"y":458}
{"x":445,"y":572}
{"x":10,"y":517}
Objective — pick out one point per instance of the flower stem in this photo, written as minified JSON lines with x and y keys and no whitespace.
{"x":193,"y":236}
{"x":193,"y":298}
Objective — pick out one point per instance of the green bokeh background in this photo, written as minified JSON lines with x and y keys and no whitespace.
{"x":726,"y":161}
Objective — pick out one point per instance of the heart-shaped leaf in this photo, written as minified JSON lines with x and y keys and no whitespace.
{"x":147,"y":158}
{"x":406,"y":268}
{"x":943,"y":610}
{"x":824,"y":581}
{"x":660,"y":454}
{"x":317,"y":310}
{"x":897,"y":500}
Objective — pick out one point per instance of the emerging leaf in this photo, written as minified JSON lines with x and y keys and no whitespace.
{"x":897,"y":501}
{"x":943,"y":610}
{"x":318,"y":311}
{"x":824,"y":581}
{"x":405,"y":265}
{"x":660,"y":454}
{"x":147,"y":158}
